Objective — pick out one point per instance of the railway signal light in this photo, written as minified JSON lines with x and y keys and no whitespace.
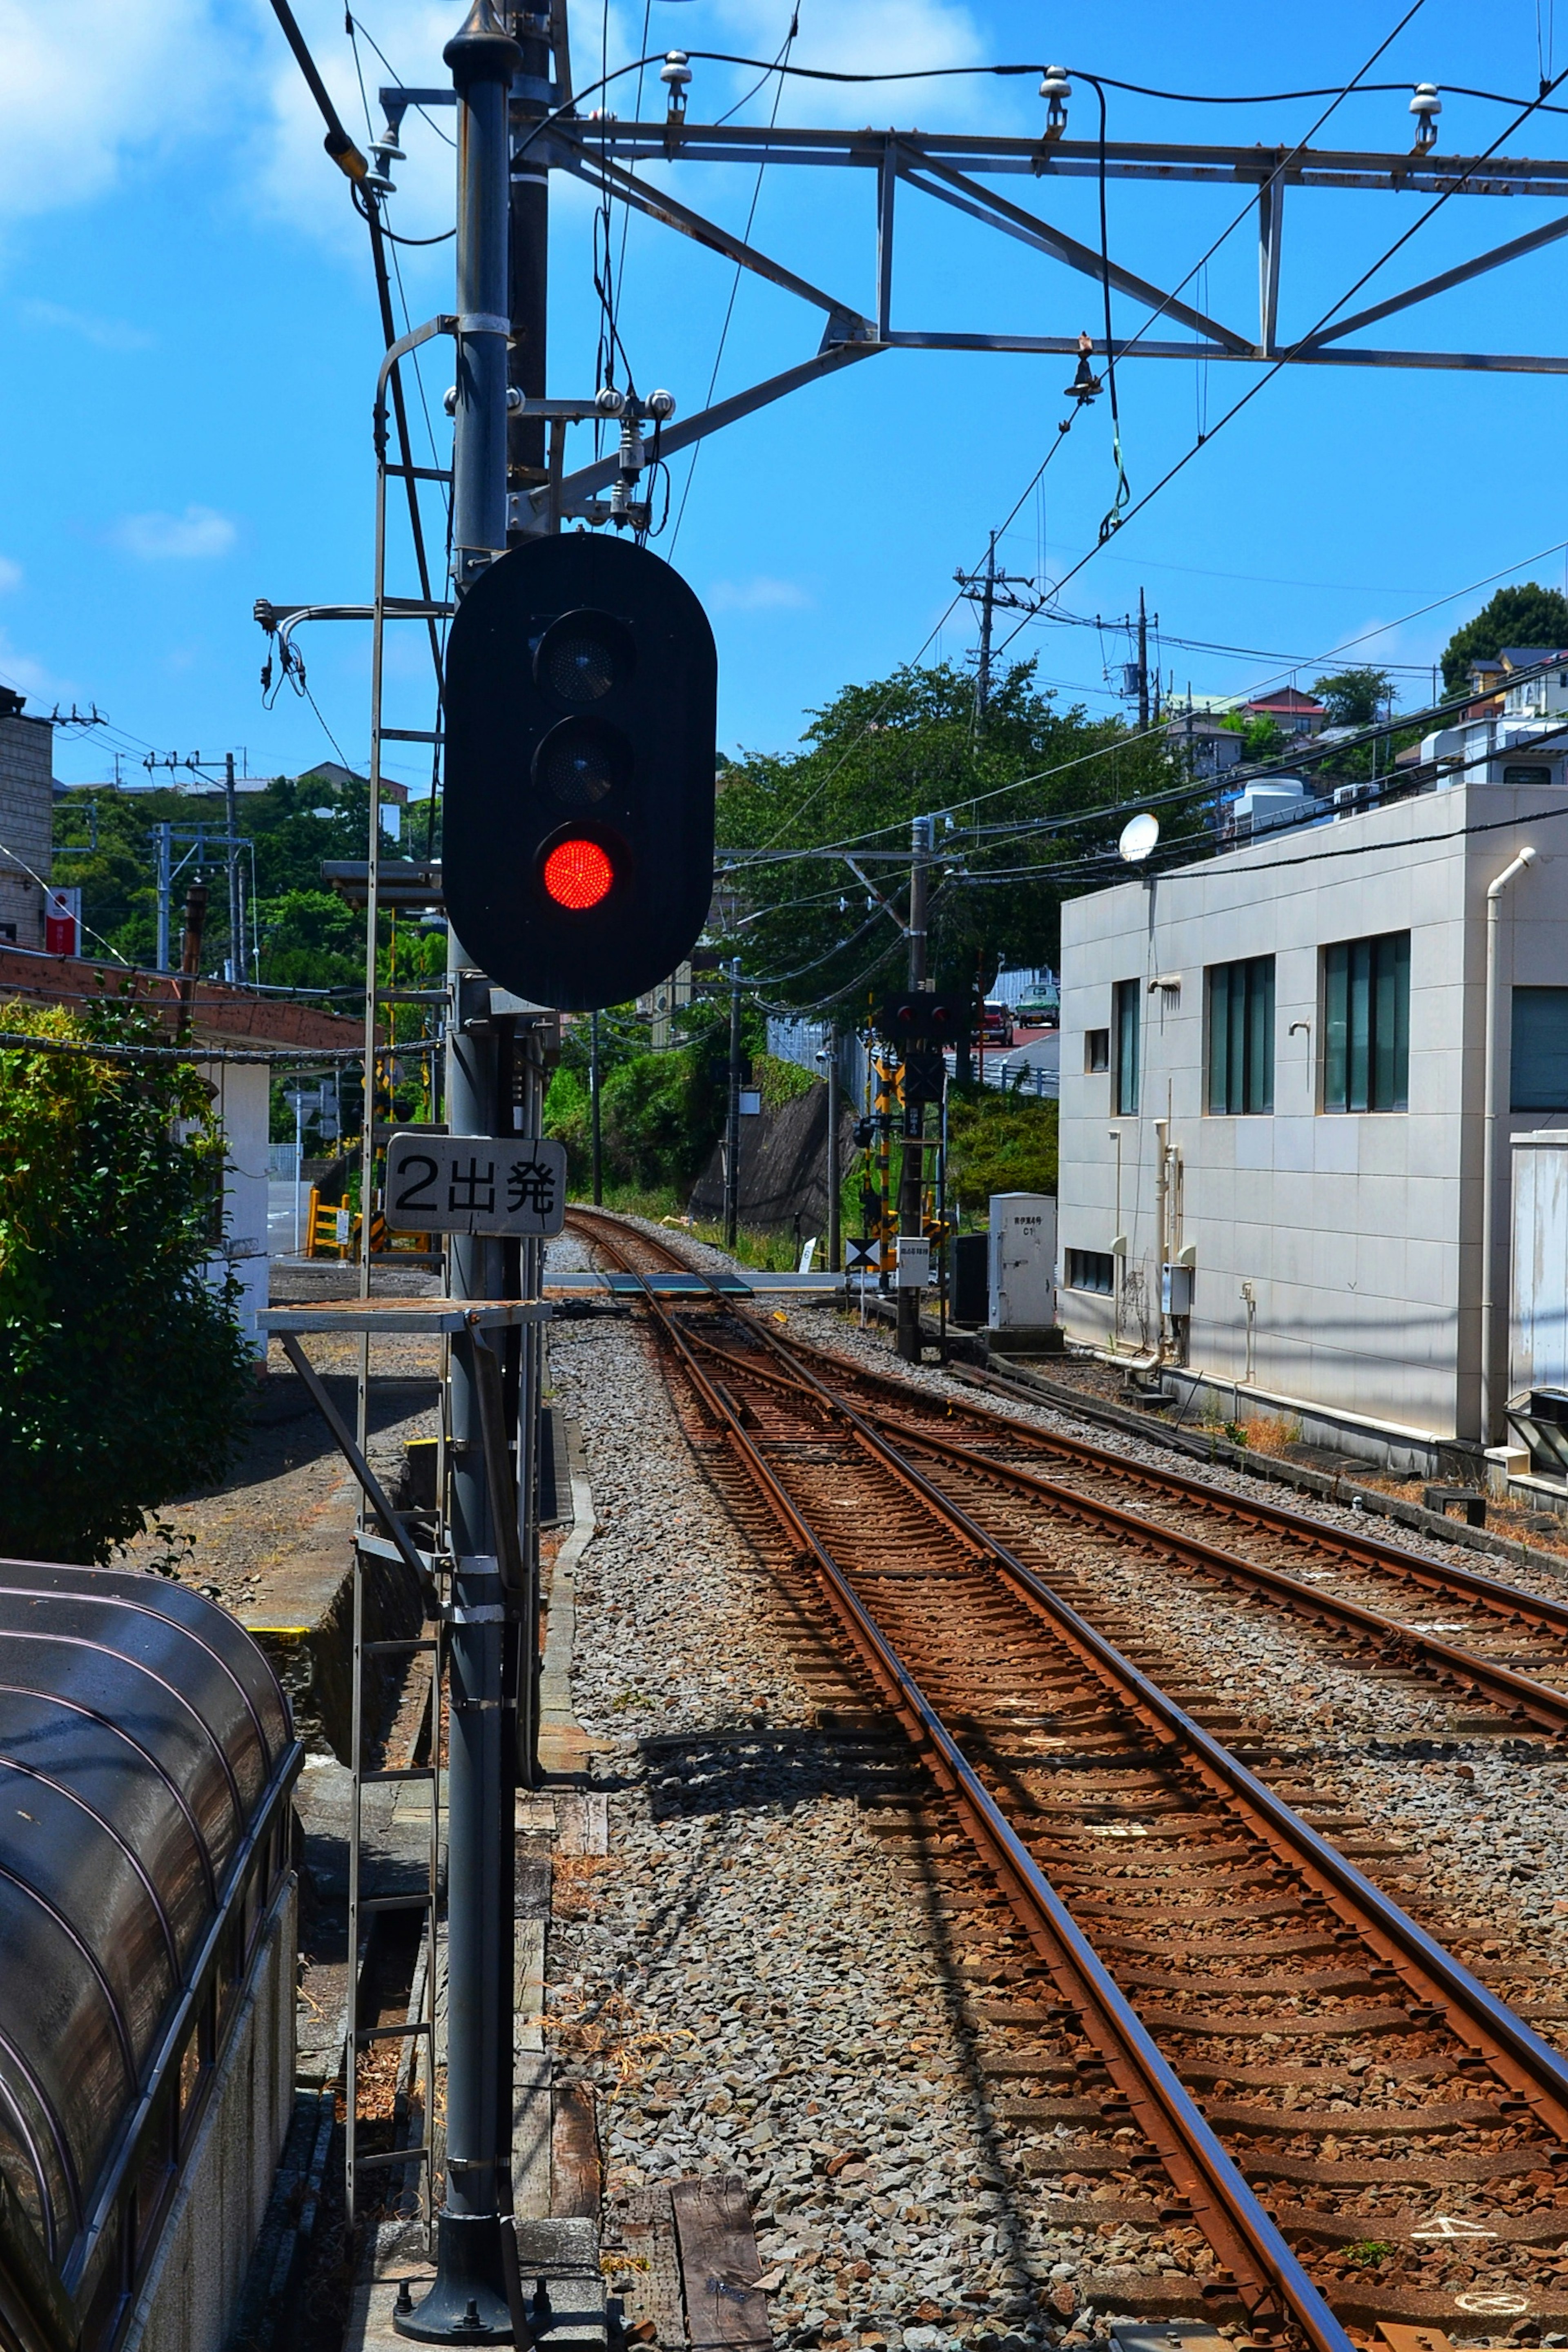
{"x":921,"y":1021}
{"x":925,"y":1016}
{"x":581,"y":727}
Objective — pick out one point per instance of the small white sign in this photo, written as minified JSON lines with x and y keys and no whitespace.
{"x":914,"y":1262}
{"x":475,"y":1184}
{"x":751,"y":1102}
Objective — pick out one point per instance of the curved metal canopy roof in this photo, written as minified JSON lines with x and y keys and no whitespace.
{"x":145,"y":1744}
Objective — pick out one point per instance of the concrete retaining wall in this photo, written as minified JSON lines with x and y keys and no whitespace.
{"x":190,"y":2293}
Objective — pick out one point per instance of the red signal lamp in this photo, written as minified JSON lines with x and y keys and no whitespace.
{"x":578,"y":873}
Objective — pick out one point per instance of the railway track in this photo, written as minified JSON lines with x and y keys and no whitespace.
{"x":1209,"y":2020}
{"x":1489,"y":1642}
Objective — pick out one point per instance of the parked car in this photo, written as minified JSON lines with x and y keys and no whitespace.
{"x":996,"y":1024}
{"x":1035,"y":1013}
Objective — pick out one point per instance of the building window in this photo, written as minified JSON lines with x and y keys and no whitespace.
{"x":1538,"y":1066}
{"x":1096,"y":1050}
{"x":1127,"y":995}
{"x":1366,"y":1024}
{"x":1241,"y":1035}
{"x":1091,"y":1270}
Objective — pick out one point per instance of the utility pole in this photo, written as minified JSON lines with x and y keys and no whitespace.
{"x":987,"y":606}
{"x":993,"y":590}
{"x":912,"y":1188}
{"x":1142,"y":667}
{"x":732,"y":1122}
{"x":528,"y":267}
{"x":236,"y":929}
{"x":469,"y":2294}
{"x":594,"y":1105}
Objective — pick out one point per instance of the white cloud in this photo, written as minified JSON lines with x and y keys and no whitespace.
{"x":28,"y":676}
{"x":758,"y":594}
{"x":874,"y":36}
{"x":199,"y":532}
{"x":108,"y":334}
{"x":297,"y":181}
{"x":83,"y":86}
{"x":10,"y":574}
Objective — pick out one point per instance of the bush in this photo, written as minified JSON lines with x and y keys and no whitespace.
{"x":123,"y":1377}
{"x":999,"y":1143}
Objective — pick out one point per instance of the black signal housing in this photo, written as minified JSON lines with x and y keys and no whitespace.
{"x":580,"y":721}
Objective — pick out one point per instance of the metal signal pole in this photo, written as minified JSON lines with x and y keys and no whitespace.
{"x":1142,"y":667}
{"x":594,"y":1105}
{"x":468,"y":2301}
{"x":912,"y":1188}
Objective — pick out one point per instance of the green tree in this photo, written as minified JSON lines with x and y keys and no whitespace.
{"x":1530,"y":616}
{"x":1356,"y":697}
{"x":905,"y":746}
{"x":999,"y":1143}
{"x":659,"y":1114}
{"x":124,"y":1376}
{"x":1263,"y":737}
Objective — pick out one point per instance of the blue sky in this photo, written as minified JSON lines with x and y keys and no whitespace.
{"x":192,"y":341}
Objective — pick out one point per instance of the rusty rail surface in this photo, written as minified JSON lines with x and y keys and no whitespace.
{"x":1057,"y":1751}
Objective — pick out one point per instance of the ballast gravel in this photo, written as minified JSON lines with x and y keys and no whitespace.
{"x":767,"y":1978}
{"x":744,"y":1976}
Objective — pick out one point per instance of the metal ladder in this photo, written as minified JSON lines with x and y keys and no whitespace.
{"x":419,"y":2029}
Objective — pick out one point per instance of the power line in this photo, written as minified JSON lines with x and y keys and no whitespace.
{"x":1264,"y":380}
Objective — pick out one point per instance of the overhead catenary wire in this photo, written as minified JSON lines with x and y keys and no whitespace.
{"x":735,"y":283}
{"x":1116,"y":516}
{"x":1301,"y":341}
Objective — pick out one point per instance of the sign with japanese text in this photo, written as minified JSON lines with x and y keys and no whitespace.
{"x":475,"y":1184}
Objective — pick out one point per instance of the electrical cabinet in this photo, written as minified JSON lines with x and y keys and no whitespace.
{"x":1175,"y":1290}
{"x":1023,"y":1262}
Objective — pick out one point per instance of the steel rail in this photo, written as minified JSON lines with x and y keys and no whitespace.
{"x":1468,"y":2007}
{"x":1444,"y":1991}
{"x":1388,"y":1558}
{"x":1515,"y":1694}
{"x":1238,"y":2227}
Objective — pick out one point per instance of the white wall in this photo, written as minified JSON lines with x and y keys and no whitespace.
{"x":1359,"y":1233}
{"x":242,"y":1094}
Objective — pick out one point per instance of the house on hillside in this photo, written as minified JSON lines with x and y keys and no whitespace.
{"x":1292,"y":713}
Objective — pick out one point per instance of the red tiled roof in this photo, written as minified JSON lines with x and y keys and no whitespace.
{"x":217,"y":1010}
{"x":1287,"y":699}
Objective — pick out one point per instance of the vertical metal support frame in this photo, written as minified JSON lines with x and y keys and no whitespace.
{"x":1270,"y":228}
{"x":887,"y":191}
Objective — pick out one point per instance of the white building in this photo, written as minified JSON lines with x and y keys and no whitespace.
{"x":26,"y":821}
{"x":1272,"y":1111}
{"x":1520,"y":736}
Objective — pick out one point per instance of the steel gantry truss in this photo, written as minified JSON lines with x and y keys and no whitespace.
{"x":957,"y":170}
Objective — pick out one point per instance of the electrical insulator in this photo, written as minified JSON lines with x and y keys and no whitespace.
{"x":1425,"y":106}
{"x":1085,"y":385}
{"x":676,"y":74}
{"x":1057,"y":90}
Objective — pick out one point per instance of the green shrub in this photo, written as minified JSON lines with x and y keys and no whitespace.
{"x":124,"y":1376}
{"x":999,"y":1143}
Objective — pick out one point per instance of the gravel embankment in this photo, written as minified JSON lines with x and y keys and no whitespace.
{"x":773,"y":1994}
